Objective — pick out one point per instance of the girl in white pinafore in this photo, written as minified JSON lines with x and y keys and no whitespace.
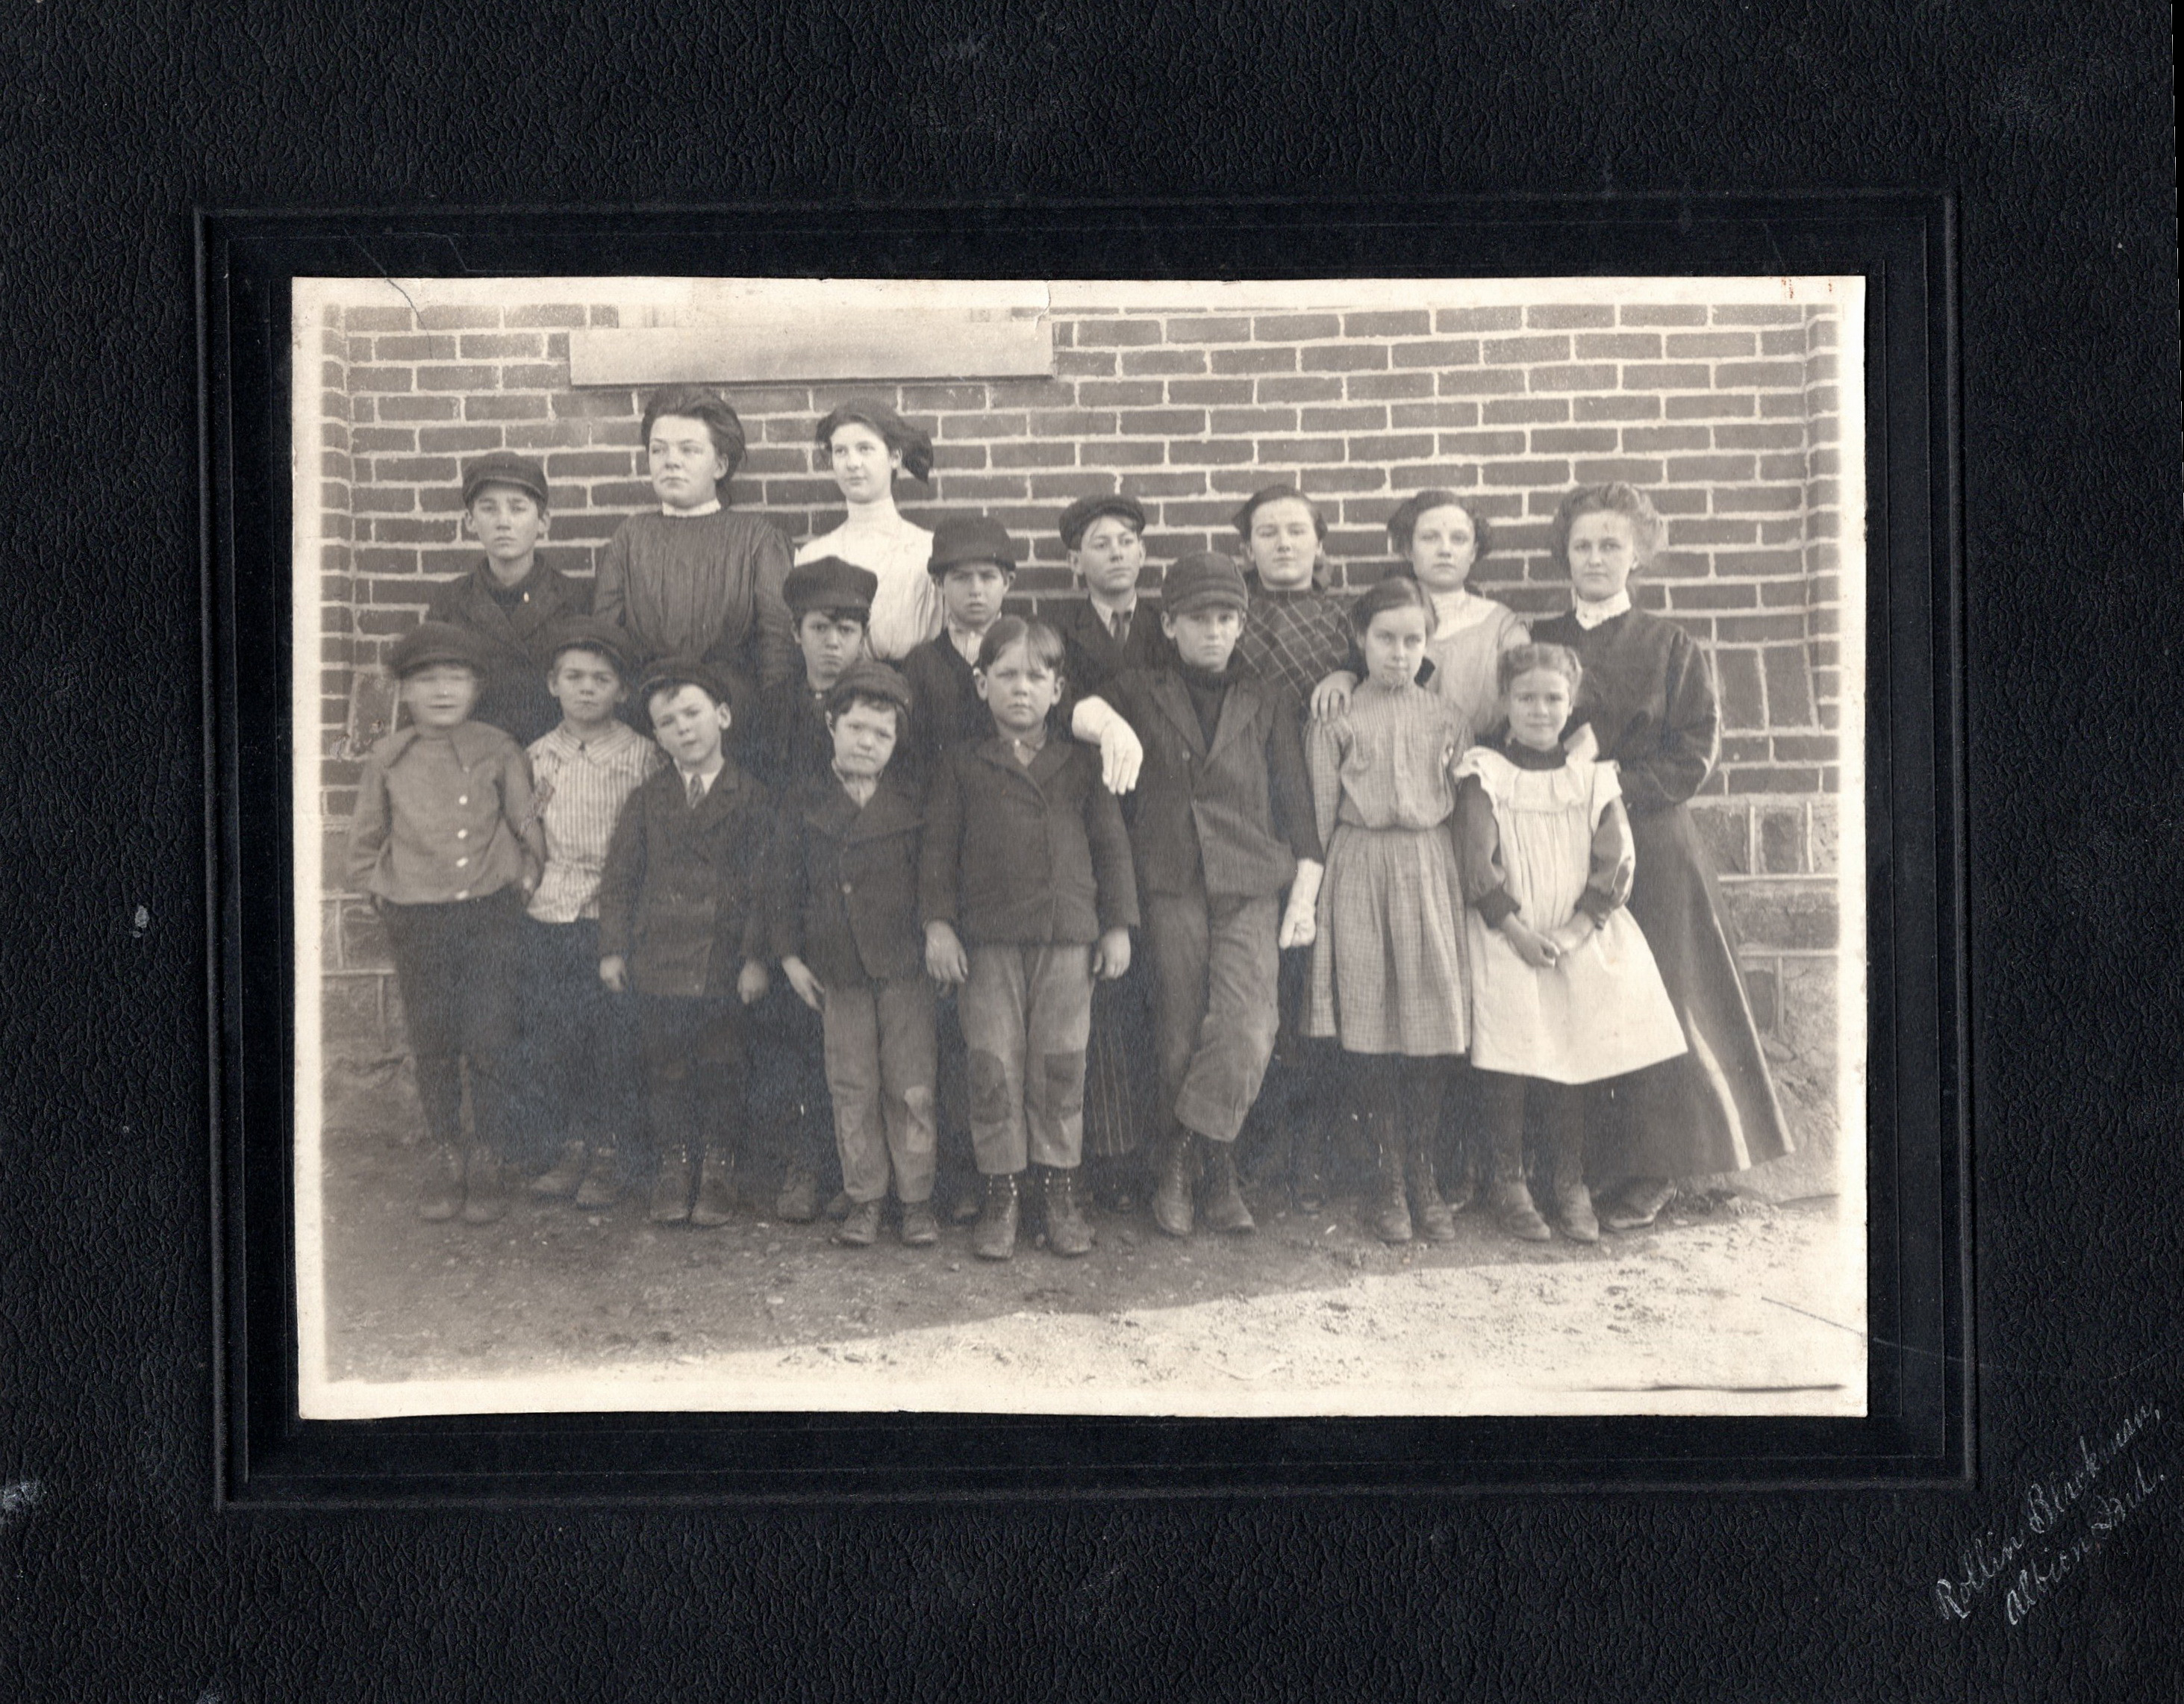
{"x":1564,"y":990}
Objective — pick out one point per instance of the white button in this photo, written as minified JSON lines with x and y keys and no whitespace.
{"x":465,"y":894}
{"x":462,"y":834}
{"x":464,"y":800}
{"x":461,"y":862}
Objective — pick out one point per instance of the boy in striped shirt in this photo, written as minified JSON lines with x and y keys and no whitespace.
{"x":579,"y":1038}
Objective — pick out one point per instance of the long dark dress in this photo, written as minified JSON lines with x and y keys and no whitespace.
{"x":1648,"y":692}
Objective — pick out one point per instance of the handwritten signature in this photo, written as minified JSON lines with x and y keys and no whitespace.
{"x":2061,"y":1520}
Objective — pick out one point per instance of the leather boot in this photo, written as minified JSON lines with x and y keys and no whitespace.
{"x":1573,"y":1201}
{"x":485,"y":1187}
{"x":1068,"y":1233}
{"x":671,"y":1188}
{"x":1460,"y":1190}
{"x":1512,"y":1201}
{"x":602,"y":1184}
{"x":1172,"y":1183}
{"x":442,"y":1197}
{"x":1391,"y":1211}
{"x":1224,"y":1208}
{"x":1428,"y":1212}
{"x":993,"y":1238}
{"x":566,"y":1174}
{"x":716,"y":1193}
{"x":1638,"y":1204}
{"x":798,"y":1203}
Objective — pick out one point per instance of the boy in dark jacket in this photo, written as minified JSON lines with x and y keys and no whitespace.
{"x":975,"y":562}
{"x":847,"y":936}
{"x":682,"y":926}
{"x":1025,"y":850}
{"x":511,"y":603}
{"x":1221,"y":823}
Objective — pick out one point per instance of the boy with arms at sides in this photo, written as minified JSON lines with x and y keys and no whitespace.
{"x":848,"y":939}
{"x":1221,"y":822}
{"x":831,"y":603}
{"x":974,"y":561}
{"x":511,"y":602}
{"x":578,"y":1040}
{"x":1025,"y":850}
{"x":694,"y":579}
{"x":445,"y":843}
{"x":682,"y":929}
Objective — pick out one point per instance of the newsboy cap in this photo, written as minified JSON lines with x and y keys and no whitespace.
{"x":868,"y":679}
{"x":669,"y":673}
{"x":964,"y":538}
{"x":429,"y":643}
{"x":503,"y":467}
{"x":829,"y":583}
{"x":1204,"y":579}
{"x":588,"y":632}
{"x":1077,"y":519}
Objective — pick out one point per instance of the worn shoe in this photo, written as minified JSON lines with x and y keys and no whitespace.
{"x":565,"y":1174}
{"x":838,"y":1205}
{"x":1461,"y":1190}
{"x":716,"y":1189}
{"x":861,"y":1228}
{"x":1068,"y":1232}
{"x":993,"y":1238}
{"x":442,"y":1197}
{"x":1638,"y":1204}
{"x":602,"y":1184}
{"x":968,"y":1205}
{"x":1574,"y":1210}
{"x":1172,"y":1184}
{"x":799,"y":1202}
{"x":1223,"y":1208}
{"x":670,"y":1190}
{"x":920,"y":1229}
{"x":1430,"y":1214}
{"x":1514,"y":1212}
{"x":485,"y":1187}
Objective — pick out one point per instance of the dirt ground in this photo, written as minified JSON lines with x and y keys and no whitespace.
{"x":1731,"y":1303}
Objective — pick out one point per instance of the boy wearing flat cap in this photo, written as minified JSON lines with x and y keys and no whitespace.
{"x":974,"y":564}
{"x":682,"y":929}
{"x":1113,"y":627}
{"x":831,"y":603}
{"x":445,"y":841}
{"x":1221,"y":822}
{"x":580,"y":1046}
{"x":847,"y":940}
{"x":511,"y":601}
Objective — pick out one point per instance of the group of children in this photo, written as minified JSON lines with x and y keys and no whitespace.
{"x":1223,"y":831}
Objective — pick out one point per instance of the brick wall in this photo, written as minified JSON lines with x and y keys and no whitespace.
{"x":1727,"y":413}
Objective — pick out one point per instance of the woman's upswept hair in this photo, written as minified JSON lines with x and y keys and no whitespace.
{"x":1405,"y":520}
{"x":699,"y":402}
{"x":1615,"y":498}
{"x":1390,"y":591}
{"x":892,"y":429}
{"x":1241,"y":521}
{"x":1521,"y":660}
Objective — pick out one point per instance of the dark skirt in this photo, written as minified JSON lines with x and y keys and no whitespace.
{"x":1714,"y":1109}
{"x":1121,"y":1085}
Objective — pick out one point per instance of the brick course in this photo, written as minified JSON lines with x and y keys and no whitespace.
{"x":1727,"y":414}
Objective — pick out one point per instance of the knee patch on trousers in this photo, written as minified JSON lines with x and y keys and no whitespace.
{"x":989,"y":1088}
{"x":1065,"y":1083}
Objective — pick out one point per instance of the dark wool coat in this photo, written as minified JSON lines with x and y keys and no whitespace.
{"x":517,"y":642}
{"x":845,"y":897}
{"x":683,"y":894}
{"x":1091,"y":656}
{"x":1030,"y":853}
{"x":1239,"y":808}
{"x":945,"y":709}
{"x":785,"y":740}
{"x":1648,"y":693}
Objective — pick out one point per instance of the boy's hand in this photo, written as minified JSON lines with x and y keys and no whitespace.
{"x":945,"y":961}
{"x":809,"y":988}
{"x":613,"y":971}
{"x":1120,"y":752}
{"x":752,"y":982}
{"x":1112,"y":957}
{"x":1300,"y":917}
{"x":1331,"y":697}
{"x":1533,"y":948}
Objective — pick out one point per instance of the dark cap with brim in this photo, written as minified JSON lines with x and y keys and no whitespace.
{"x":669,"y":673}
{"x":1204,"y":579}
{"x":589,"y":633}
{"x":431,"y":643}
{"x":961,"y":540}
{"x":1077,"y":519}
{"x":829,"y":583}
{"x":868,"y":679}
{"x":503,"y":467}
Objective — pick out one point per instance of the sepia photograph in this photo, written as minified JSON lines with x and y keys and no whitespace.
{"x":1225,"y":848}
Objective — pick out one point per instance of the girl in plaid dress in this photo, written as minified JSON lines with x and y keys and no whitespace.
{"x":1388,"y":977}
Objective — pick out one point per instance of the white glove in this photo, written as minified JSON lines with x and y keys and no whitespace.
{"x":1121,"y":754}
{"x":1300,"y":920}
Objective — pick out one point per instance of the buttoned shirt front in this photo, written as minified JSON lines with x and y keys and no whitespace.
{"x":439,"y":816}
{"x":581,"y":787}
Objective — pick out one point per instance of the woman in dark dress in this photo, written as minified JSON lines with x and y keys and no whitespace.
{"x":1649,"y":696}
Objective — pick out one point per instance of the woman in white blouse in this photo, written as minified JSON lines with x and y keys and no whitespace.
{"x":865,"y":444}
